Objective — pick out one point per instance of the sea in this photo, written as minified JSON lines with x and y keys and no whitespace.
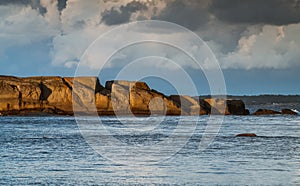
{"x":156,"y":150}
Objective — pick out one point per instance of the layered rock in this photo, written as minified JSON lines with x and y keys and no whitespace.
{"x":224,"y":106}
{"x":138,"y":99}
{"x":48,"y":94}
{"x":57,"y":95}
{"x":214,"y":106}
{"x":189,"y":105}
{"x":17,"y":94}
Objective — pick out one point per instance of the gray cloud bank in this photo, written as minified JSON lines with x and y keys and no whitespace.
{"x":277,"y":12}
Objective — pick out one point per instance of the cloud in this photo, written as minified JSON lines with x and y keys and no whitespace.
{"x":52,"y":13}
{"x":242,"y":34}
{"x":21,"y":25}
{"x":121,"y":15}
{"x":35,"y":4}
{"x":191,"y":14}
{"x":78,"y":30}
{"x":222,"y":37}
{"x":79,"y":14}
{"x":80,"y":27}
{"x":277,"y":12}
{"x":24,"y":2}
{"x":61,"y":4}
{"x":274,"y":47}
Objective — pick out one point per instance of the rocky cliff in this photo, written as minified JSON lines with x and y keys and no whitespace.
{"x":59,"y":95}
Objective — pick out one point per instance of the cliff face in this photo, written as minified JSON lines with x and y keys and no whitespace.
{"x":57,"y":95}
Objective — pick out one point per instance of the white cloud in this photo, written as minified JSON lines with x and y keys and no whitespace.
{"x":80,"y":14}
{"x":172,"y":43}
{"x":52,"y":14}
{"x":80,"y":26}
{"x":274,"y":47}
{"x":21,"y":25}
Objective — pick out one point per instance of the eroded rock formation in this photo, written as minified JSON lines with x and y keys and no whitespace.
{"x":57,"y":95}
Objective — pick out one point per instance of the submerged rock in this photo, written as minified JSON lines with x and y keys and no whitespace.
{"x":246,"y":135}
{"x":288,"y":112}
{"x":266,"y":112}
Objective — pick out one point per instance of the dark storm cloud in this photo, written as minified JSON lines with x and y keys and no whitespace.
{"x":61,"y":4}
{"x":190,"y":14}
{"x":277,"y":12}
{"x":114,"y":16}
{"x":35,"y":4}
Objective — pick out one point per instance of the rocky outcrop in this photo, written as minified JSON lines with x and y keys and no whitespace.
{"x":39,"y":94}
{"x":288,"y":112}
{"x":214,"y":106}
{"x":273,"y":112}
{"x":266,"y":112}
{"x":246,"y":135}
{"x":189,"y":105}
{"x":18,"y":94}
{"x":57,"y":95}
{"x":224,"y":106}
{"x":138,"y":99}
{"x":237,"y":107}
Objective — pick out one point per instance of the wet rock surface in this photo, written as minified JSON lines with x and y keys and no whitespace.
{"x":288,"y":112}
{"x":266,"y":112}
{"x":246,"y":135}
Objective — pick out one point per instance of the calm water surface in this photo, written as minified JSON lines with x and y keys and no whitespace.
{"x":51,"y":150}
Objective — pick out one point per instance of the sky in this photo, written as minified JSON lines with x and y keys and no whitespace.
{"x":256,"y":43}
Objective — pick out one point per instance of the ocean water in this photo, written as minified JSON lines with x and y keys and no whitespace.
{"x":55,"y":150}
